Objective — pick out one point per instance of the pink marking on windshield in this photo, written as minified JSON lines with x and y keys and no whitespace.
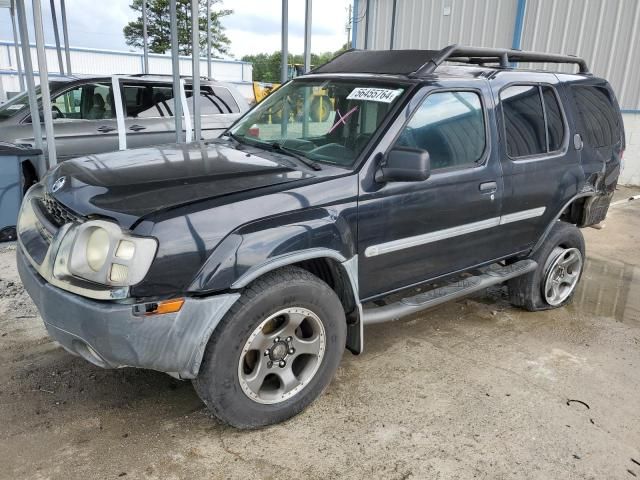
{"x":342,"y":120}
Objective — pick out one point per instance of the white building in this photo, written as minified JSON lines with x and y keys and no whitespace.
{"x":91,"y":61}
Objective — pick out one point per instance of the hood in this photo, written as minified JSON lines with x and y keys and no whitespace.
{"x":131,"y":184}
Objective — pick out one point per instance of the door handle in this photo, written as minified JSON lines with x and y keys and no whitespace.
{"x":488,"y":187}
{"x":137,"y":128}
{"x":106,"y":129}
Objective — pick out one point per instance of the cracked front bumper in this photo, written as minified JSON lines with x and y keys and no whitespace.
{"x":108,"y":334}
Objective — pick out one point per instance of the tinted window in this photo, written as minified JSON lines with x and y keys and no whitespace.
{"x":524,"y":121}
{"x":598,"y":116}
{"x":223,"y":95}
{"x":555,"y":125}
{"x":212,"y":104}
{"x":151,"y":100}
{"x":450,"y":126}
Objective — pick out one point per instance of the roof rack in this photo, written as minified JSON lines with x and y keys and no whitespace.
{"x":503,"y":56}
{"x":418,"y":63}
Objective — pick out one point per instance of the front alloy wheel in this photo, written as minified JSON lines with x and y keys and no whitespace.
{"x":282,"y":355}
{"x":275,"y":351}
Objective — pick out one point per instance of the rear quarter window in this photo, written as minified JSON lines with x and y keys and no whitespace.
{"x":598,"y":115}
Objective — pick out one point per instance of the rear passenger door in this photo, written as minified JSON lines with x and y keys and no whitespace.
{"x":148,"y":110}
{"x":541,"y":168}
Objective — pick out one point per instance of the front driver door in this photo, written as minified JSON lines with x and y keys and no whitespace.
{"x":410,"y":232}
{"x":85,"y":122}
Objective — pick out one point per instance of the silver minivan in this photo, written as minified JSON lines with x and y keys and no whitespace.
{"x":84,"y":113}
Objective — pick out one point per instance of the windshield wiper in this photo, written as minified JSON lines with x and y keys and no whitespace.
{"x":234,"y":137}
{"x":293,"y":153}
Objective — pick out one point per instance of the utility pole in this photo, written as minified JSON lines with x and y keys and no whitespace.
{"x":349,"y":18}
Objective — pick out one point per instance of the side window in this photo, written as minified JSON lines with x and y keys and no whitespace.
{"x":89,"y":102}
{"x":524,"y":121}
{"x":225,"y":96}
{"x":68,"y":104}
{"x":598,"y":116}
{"x":148,"y":100}
{"x":555,"y":123}
{"x":214,"y":101}
{"x":450,"y":126}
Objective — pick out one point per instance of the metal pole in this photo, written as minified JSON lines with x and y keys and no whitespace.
{"x":31,"y":84}
{"x":366,"y":24}
{"x":175,"y":67}
{"x":56,"y":35}
{"x":65,"y":34}
{"x":393,"y":24}
{"x":17,"y":47}
{"x":307,"y":36}
{"x":209,"y":39}
{"x":349,"y":19}
{"x":284,"y":72}
{"x":145,"y":40}
{"x":44,"y":83}
{"x":195,"y":60}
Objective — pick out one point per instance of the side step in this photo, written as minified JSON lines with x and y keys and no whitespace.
{"x":492,"y":275}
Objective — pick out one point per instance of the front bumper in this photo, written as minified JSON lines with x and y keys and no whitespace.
{"x":109,"y":335}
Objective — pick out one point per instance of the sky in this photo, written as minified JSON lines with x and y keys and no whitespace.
{"x":254,"y":27}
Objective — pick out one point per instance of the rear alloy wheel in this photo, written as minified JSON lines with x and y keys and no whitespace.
{"x":282,"y":355}
{"x":560,"y":261}
{"x":275,"y":351}
{"x":562,"y":275}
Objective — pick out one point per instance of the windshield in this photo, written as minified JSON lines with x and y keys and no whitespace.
{"x":17,"y":103}
{"x":327,"y":121}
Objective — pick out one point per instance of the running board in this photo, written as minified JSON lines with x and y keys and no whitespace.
{"x":491,"y":275}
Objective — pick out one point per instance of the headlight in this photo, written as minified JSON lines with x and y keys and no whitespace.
{"x":101,"y":252}
{"x":97,"y":248}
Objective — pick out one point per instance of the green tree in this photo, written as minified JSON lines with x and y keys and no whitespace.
{"x":159,"y":33}
{"x":266,"y":67}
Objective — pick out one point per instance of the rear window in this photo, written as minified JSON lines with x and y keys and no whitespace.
{"x":533,"y":120}
{"x":598,"y":116}
{"x":524,"y":120}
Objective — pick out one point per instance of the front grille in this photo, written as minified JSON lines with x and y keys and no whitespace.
{"x":58,"y":214}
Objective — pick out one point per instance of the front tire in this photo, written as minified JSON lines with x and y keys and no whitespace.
{"x":560,"y":264}
{"x":275,"y":351}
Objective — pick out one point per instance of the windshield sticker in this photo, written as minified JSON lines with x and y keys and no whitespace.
{"x":384,"y":95}
{"x":17,"y":106}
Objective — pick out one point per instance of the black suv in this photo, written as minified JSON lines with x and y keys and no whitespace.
{"x":249,"y":262}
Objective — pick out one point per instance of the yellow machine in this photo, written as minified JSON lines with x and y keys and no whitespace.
{"x":320,"y":107}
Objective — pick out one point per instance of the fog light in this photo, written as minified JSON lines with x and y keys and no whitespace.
{"x":125,"y":250}
{"x":118,"y":273}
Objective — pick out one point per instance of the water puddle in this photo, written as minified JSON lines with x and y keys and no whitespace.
{"x":609,"y":289}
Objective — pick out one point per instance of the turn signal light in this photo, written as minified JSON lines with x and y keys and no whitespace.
{"x":158,"y":308}
{"x":168,"y":306}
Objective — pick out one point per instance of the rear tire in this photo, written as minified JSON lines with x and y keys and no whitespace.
{"x":560,"y":264}
{"x":275,"y":351}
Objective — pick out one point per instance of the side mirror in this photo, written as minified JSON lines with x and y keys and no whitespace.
{"x":404,"y":165}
